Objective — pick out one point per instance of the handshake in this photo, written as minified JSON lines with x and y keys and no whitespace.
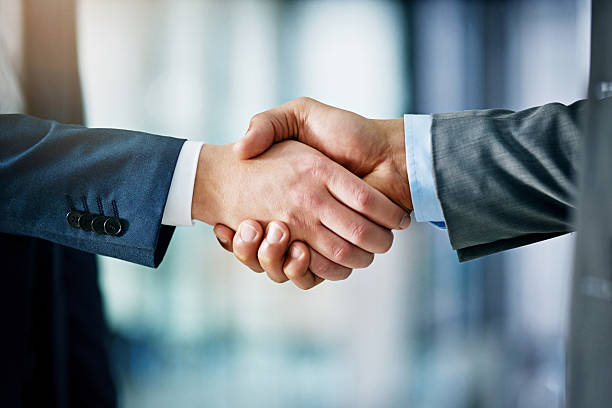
{"x":313,"y":207}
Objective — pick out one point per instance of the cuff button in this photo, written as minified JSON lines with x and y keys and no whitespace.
{"x":85,"y":221}
{"x":97,"y":224}
{"x":113,"y":227}
{"x":73,"y":218}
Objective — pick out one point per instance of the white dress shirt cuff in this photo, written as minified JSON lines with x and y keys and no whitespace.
{"x":419,"y":163}
{"x":178,"y":204}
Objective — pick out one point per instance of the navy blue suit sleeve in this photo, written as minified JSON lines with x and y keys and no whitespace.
{"x":48,"y":168}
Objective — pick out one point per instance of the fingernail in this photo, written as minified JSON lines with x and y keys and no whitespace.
{"x":247,"y":233}
{"x":405,"y":221}
{"x":275,"y":234}
{"x":221,"y":239}
{"x":295,"y":253}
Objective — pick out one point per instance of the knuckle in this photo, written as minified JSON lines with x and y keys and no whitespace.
{"x":317,"y":167}
{"x":364,"y":198}
{"x":359,"y":231}
{"x":341,"y":252}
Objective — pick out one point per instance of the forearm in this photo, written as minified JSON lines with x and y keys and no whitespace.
{"x":46,"y":168}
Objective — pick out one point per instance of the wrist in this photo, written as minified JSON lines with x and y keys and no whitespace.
{"x":206,"y":202}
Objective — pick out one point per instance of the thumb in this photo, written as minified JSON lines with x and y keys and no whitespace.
{"x":265,"y":129}
{"x":258,"y":138}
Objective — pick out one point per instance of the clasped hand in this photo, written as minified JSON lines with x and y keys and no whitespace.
{"x":327,"y":199}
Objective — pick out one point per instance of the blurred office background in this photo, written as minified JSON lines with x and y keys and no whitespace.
{"x":416,"y":329}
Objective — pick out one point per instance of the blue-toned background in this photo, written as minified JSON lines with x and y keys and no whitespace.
{"x":416,"y":329}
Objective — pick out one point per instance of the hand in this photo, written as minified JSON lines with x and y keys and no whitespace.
{"x":320,"y":201}
{"x":263,"y":253}
{"x":372,"y":149}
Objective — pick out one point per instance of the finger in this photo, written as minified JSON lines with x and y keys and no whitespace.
{"x":271,"y":253}
{"x":296,"y":266}
{"x":380,"y":179}
{"x":361,"y":197}
{"x":356,"y":229}
{"x":225,"y":236}
{"x":338,"y":250}
{"x":267,"y":128}
{"x":246,"y":243}
{"x":326,"y":269}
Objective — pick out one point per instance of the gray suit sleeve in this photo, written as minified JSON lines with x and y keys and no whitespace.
{"x":506,"y":179}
